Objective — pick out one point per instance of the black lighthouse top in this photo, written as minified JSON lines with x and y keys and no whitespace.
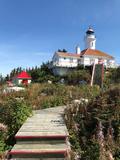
{"x":90,"y":31}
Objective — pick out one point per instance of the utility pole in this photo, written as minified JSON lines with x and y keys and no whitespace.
{"x":93,"y":71}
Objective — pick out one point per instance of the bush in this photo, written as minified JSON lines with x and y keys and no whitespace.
{"x":112,"y":76}
{"x":53,"y":101}
{"x":76,"y":76}
{"x":91,"y":151}
{"x":54,"y":89}
{"x":13,"y":113}
{"x":3,"y":133}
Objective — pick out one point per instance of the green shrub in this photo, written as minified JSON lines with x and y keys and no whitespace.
{"x":91,"y":151}
{"x":2,"y":146}
{"x":53,"y":101}
{"x":13,"y":113}
{"x":54,"y":89}
{"x":111,"y":77}
{"x":76,"y":76}
{"x":74,"y":141}
{"x":3,"y":136}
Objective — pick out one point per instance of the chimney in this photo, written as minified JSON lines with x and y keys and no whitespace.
{"x":78,"y":51}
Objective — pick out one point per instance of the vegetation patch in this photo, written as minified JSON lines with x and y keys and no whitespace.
{"x":13,"y":113}
{"x":96,"y":127}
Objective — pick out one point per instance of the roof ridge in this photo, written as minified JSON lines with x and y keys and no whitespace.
{"x":66,"y":52}
{"x":87,"y":49}
{"x":23,"y":74}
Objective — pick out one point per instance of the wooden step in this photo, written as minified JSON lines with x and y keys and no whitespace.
{"x":38,"y":158}
{"x":39,"y":151}
{"x":40,"y":141}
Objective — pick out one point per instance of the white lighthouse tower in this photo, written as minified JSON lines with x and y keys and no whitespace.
{"x":90,"y":39}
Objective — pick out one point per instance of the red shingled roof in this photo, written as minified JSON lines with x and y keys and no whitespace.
{"x":23,"y":75}
{"x":90,"y":52}
{"x":65,"y":54}
{"x":94,"y":52}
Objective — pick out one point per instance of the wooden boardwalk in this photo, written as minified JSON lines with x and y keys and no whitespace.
{"x":43,"y":136}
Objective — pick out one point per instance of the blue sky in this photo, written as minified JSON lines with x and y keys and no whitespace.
{"x":32,"y":30}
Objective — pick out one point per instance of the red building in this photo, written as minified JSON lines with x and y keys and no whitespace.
{"x":22,"y":78}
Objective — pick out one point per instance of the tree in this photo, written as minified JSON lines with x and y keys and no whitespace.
{"x":1,"y":79}
{"x":7,"y":78}
{"x":45,"y":67}
{"x":64,"y":50}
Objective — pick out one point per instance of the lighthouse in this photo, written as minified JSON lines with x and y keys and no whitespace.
{"x":90,"y":39}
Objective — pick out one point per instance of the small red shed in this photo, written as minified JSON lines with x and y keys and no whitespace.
{"x":22,"y":78}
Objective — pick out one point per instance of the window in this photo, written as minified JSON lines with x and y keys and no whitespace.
{"x":71,"y":60}
{"x":79,"y":61}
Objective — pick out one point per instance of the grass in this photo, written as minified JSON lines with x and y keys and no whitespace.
{"x":46,"y":95}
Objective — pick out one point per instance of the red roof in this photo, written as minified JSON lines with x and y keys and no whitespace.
{"x":94,"y":52}
{"x":23,"y":75}
{"x":64,"y":54}
{"x":90,"y":52}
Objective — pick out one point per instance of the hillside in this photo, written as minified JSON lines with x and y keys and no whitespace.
{"x":93,"y":127}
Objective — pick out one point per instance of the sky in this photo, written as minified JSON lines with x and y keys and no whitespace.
{"x":32,"y":30}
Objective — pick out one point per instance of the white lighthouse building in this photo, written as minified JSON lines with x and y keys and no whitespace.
{"x":90,"y":39}
{"x":63,"y":62}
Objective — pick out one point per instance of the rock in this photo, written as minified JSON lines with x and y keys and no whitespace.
{"x":80,"y":101}
{"x":50,"y":82}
